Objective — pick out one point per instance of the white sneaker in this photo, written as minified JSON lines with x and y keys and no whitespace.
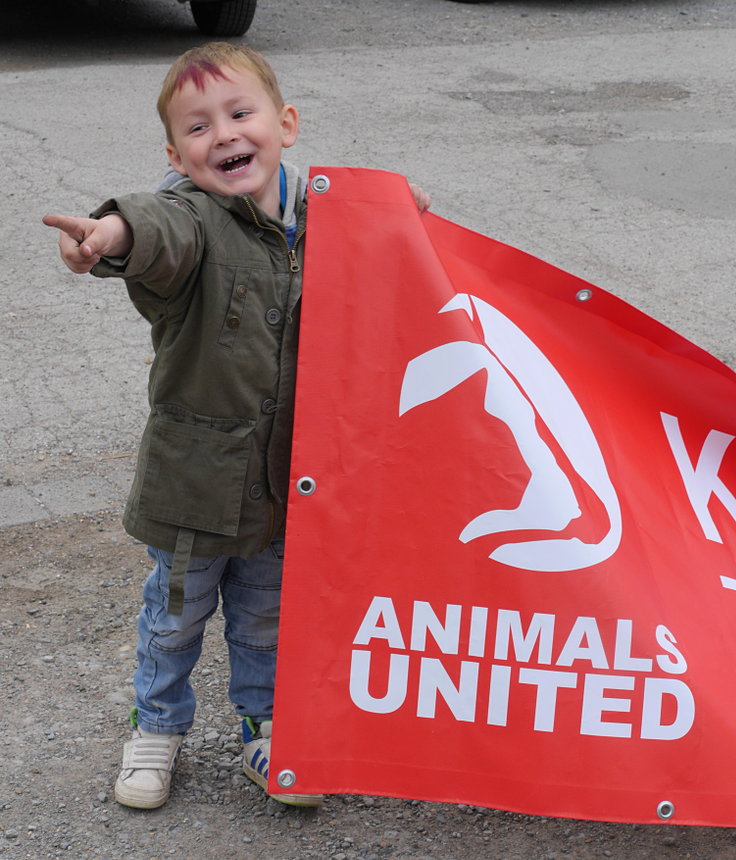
{"x":256,"y":754}
{"x":149,"y":760}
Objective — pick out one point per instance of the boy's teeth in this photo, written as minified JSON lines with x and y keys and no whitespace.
{"x":235,"y":161}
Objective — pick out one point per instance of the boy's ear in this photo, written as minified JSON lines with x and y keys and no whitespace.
{"x":289,"y":125}
{"x":172,"y":154}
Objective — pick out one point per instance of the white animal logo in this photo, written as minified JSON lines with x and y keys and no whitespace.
{"x":521,"y":385}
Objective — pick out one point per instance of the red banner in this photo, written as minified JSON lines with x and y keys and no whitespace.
{"x":511,"y":550}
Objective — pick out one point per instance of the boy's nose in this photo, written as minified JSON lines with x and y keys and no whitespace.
{"x":225,"y":133}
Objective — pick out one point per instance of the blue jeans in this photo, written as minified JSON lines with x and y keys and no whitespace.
{"x":169,"y":645}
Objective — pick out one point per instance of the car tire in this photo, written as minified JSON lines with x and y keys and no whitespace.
{"x":223,"y":17}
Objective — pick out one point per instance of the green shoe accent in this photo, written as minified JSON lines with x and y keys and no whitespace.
{"x":133,"y":718}
{"x":250,"y":729}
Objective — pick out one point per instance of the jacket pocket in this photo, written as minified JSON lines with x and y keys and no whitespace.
{"x":195,"y":470}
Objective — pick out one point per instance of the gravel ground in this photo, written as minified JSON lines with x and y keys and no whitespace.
{"x":70,"y":596}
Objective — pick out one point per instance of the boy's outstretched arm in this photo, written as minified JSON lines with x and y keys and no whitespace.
{"x":82,"y":241}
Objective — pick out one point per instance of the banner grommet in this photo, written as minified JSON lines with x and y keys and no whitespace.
{"x":286,"y":778}
{"x":665,"y":810}
{"x":306,"y":486}
{"x":320,"y":183}
{"x":584,"y":295}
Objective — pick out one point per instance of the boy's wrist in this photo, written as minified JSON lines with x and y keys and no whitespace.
{"x":121,"y":235}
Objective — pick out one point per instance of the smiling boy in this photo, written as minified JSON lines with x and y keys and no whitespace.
{"x":226,"y":125}
{"x":226,"y":131}
{"x":215,"y":266}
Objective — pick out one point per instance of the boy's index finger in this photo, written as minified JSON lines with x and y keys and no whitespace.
{"x":73,"y":227}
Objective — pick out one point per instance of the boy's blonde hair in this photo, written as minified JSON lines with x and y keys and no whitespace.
{"x":198,"y":63}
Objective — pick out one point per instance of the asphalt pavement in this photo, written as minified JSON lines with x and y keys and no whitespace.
{"x":600,"y":137}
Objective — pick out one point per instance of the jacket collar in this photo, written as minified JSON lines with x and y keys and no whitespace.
{"x":246,"y":207}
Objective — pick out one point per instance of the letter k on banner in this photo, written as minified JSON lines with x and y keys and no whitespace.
{"x":510,"y":571}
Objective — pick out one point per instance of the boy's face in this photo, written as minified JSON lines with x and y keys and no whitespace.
{"x":228,"y":137}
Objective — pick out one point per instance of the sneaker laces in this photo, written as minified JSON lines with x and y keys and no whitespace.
{"x":150,"y":751}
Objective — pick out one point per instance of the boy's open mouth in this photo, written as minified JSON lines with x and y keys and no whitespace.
{"x":234,"y":164}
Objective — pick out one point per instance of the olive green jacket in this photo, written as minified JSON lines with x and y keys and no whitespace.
{"x":220,"y":287}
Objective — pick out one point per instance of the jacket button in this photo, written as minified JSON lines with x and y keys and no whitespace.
{"x":233,"y":322}
{"x":256,"y":491}
{"x":268,"y":407}
{"x":241,"y":290}
{"x":273,"y":316}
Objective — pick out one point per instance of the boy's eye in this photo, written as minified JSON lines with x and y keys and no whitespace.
{"x":198,"y":127}
{"x":241,"y":114}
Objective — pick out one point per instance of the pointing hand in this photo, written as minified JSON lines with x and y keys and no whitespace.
{"x":82,"y":241}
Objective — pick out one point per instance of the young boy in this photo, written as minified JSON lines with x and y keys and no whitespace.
{"x":214,"y":264}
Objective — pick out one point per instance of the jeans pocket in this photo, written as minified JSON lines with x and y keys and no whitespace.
{"x":277,"y":548}
{"x":195,"y":474}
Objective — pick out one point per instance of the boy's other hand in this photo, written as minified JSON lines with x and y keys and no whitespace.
{"x":421,"y":198}
{"x":82,"y":241}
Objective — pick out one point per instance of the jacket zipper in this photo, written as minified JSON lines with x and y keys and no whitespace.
{"x":294,"y":266}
